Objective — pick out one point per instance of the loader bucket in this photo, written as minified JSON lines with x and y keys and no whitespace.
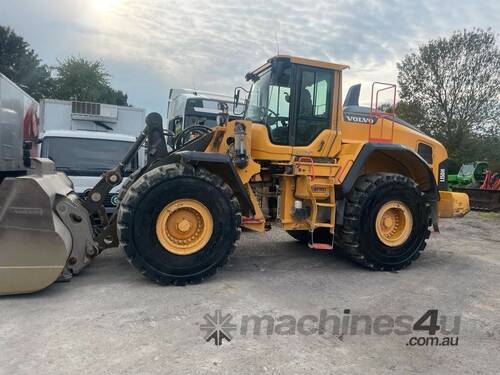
{"x":453,"y":204}
{"x":482,"y":199}
{"x":35,"y":244}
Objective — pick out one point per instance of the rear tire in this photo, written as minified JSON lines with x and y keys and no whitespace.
{"x":358,"y":236}
{"x":142,"y":206}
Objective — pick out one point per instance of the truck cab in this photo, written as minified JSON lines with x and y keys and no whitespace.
{"x":188,"y":107}
{"x":84,"y":140}
{"x":84,"y":156}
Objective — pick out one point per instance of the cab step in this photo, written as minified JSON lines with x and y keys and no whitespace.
{"x":320,"y":246}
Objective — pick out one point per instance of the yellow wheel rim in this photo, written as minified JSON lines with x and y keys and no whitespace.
{"x":184,"y":226}
{"x":394,"y":223}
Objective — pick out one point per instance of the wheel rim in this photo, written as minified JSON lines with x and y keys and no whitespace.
{"x":184,"y":226}
{"x":394,"y":223}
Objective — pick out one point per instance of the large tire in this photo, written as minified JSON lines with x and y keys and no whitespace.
{"x":142,"y":205}
{"x":358,"y":238}
{"x":130,"y":181}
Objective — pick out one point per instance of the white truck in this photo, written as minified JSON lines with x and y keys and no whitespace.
{"x":188,"y":107}
{"x":86,"y":139}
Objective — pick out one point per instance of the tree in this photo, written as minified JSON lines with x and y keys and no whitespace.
{"x":77,"y":78}
{"x":86,"y":80}
{"x":111,"y":96}
{"x":411,"y":112}
{"x":21,"y":64}
{"x":408,"y":111}
{"x":455,"y":84}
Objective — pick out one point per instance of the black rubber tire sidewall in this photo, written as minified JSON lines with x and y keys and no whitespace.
{"x":377,"y":251}
{"x":144,"y":240}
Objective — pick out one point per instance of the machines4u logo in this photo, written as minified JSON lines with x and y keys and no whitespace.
{"x":218,"y":327}
{"x":432,"y":328}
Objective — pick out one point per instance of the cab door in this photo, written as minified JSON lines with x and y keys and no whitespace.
{"x":313,"y":125}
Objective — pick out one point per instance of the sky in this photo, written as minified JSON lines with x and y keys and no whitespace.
{"x":150,"y":46}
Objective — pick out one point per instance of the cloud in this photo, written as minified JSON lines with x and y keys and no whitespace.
{"x":152,"y":45}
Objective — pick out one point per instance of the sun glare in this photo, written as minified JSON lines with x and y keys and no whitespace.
{"x":105,"y":6}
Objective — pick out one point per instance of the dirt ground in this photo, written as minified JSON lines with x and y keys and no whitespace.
{"x":112,"y":320}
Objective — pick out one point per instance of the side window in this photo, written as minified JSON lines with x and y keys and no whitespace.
{"x":314,"y":105}
{"x":425,"y":151}
{"x":480,"y":171}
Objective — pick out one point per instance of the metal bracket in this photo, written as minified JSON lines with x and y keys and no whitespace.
{"x":77,"y":220}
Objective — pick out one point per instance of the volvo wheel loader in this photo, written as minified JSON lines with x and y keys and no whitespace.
{"x":335,"y":177}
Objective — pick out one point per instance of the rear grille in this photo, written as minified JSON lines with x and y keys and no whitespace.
{"x":85,"y":108}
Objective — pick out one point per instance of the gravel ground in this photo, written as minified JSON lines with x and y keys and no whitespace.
{"x":111,"y":320}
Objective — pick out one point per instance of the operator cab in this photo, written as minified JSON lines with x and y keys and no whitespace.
{"x":293,"y":98}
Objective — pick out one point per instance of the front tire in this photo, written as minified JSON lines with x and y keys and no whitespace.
{"x":178,"y":224}
{"x":386,"y":222}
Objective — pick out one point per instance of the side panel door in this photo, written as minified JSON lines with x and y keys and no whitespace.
{"x":313,"y":127}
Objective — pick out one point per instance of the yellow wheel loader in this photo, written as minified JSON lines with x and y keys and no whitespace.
{"x":335,"y":176}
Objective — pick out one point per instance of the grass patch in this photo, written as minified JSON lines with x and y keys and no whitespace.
{"x":490,"y":215}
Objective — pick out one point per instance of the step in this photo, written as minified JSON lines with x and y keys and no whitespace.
{"x":321,"y":246}
{"x":319,"y":204}
{"x":323,"y":225}
{"x":251,"y":220}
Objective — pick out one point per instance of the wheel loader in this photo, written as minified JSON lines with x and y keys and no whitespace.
{"x":335,"y":176}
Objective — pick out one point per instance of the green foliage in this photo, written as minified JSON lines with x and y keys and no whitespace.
{"x":86,"y":80}
{"x":411,"y":112}
{"x":450,"y":88}
{"x":21,"y":64}
{"x":76,"y":78}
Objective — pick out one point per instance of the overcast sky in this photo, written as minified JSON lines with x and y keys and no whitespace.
{"x":150,"y":46}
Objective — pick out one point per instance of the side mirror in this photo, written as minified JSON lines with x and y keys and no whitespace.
{"x":236,"y":103}
{"x":237,"y":92}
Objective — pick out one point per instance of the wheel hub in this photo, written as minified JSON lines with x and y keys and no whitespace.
{"x":184,"y":226}
{"x":394,"y":223}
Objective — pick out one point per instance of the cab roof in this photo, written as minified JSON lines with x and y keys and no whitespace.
{"x":301,"y":61}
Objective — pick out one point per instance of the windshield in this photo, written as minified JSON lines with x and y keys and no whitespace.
{"x":466,"y":170}
{"x":257,"y":101}
{"x":269,"y":101}
{"x":86,"y":156}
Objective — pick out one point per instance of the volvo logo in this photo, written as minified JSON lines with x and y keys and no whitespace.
{"x":359,"y":118}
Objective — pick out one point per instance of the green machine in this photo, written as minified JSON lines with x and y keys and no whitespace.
{"x":480,"y":183}
{"x":470,"y":175}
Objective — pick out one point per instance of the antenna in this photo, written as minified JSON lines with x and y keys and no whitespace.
{"x":194,"y":87}
{"x":277,"y":42}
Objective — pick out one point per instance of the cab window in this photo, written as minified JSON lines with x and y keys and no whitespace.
{"x":279,"y":107}
{"x":425,"y":151}
{"x":314,"y":104}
